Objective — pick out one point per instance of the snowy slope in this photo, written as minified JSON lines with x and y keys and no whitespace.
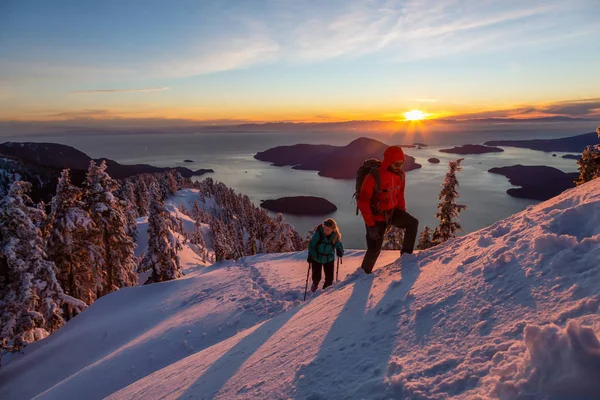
{"x":510,"y":311}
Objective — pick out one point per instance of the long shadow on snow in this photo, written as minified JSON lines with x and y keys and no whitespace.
{"x":335,"y":371}
{"x":217,"y":375}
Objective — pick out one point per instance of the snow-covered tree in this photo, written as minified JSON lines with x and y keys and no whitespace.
{"x":425,"y":239}
{"x":118,"y":259}
{"x":393,"y":239}
{"x":73,"y":244}
{"x":161,"y":257}
{"x":251,"y":246}
{"x":220,"y":244}
{"x":128,"y":203}
{"x":30,"y":295}
{"x":589,"y":163}
{"x":142,"y":197}
{"x":448,"y":210}
{"x":198,"y":240}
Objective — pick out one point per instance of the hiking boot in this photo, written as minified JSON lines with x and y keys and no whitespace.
{"x":314,"y":287}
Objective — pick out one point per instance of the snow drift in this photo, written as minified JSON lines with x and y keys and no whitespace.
{"x":508,"y":312}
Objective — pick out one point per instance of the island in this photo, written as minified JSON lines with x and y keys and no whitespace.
{"x":572,"y":144}
{"x":472,"y":149}
{"x":60,"y":156}
{"x":300,"y":205}
{"x":434,"y":160}
{"x":572,"y":156}
{"x":188,"y":161}
{"x":536,"y":182}
{"x":337,"y":162}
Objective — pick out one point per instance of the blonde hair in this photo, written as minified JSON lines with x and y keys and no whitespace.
{"x":334,"y":226}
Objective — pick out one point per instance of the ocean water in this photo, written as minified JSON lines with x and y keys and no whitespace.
{"x":231,"y":156}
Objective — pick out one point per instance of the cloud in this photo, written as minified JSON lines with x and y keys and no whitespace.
{"x":581,"y":108}
{"x":104,"y":91}
{"x":576,"y":108}
{"x":238,"y":35}
{"x":217,"y":56}
{"x":82,"y":114}
{"x":420,"y":29}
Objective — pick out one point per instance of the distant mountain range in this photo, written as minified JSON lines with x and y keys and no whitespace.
{"x":571,"y":144}
{"x":41,"y":164}
{"x":191,"y":126}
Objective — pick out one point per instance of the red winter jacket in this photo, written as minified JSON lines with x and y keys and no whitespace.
{"x":391,"y":189}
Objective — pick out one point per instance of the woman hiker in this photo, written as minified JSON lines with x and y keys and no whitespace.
{"x":325,"y":243}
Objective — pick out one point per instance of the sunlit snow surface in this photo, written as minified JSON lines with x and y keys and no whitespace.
{"x":510,"y":311}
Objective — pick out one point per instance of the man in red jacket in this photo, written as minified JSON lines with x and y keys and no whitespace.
{"x":384,"y":206}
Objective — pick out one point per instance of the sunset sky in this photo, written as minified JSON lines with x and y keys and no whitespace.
{"x":277,"y":60}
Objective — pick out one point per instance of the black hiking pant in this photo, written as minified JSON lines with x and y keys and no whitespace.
{"x":316,"y":273}
{"x":400,"y":219}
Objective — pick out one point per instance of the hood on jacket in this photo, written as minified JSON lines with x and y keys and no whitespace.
{"x":391,"y":155}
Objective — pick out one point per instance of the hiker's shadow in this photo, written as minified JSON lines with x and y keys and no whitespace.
{"x":226,"y":366}
{"x":357,"y":348}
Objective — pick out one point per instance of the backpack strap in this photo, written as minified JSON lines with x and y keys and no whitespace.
{"x":377,"y":177}
{"x":322,"y":240}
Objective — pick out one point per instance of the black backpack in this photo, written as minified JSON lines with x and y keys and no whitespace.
{"x":370,"y":166}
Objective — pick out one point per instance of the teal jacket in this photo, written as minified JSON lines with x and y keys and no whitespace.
{"x":322,"y":248}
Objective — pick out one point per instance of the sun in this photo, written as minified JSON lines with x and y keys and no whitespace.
{"x":414,"y":115}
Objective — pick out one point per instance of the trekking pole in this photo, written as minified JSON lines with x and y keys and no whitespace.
{"x":306,"y":287}
{"x":337,"y":273}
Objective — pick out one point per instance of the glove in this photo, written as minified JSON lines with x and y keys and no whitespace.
{"x":339,"y":253}
{"x":309,"y":259}
{"x":373,"y":232}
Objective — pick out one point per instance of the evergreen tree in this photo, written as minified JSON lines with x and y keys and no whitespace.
{"x":393,"y":239}
{"x":142,"y":197}
{"x":128,"y":203}
{"x":198,"y":240}
{"x":118,"y":259}
{"x":448,"y":210}
{"x":219,"y":242}
{"x":196,"y":211}
{"x":589,"y":163}
{"x":163,"y":245}
{"x":30,"y":295}
{"x":73,"y":244}
{"x":425,"y":239}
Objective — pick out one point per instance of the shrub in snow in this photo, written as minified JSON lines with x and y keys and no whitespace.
{"x":30,"y":295}
{"x":448,"y":210}
{"x":425,"y":239}
{"x":73,"y":244}
{"x":161,"y":258}
{"x":118,"y":260}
